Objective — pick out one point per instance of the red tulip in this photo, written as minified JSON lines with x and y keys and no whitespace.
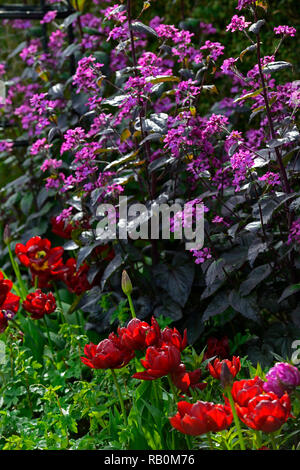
{"x":153,"y":337}
{"x":62,"y":229}
{"x":217,"y":347}
{"x":159,"y":362}
{"x":75,"y":280}
{"x":134,"y":335}
{"x":3,"y":322}
{"x":201,"y":418}
{"x":108,"y":354}
{"x":8,"y":301}
{"x":215,"y":368}
{"x":172,"y":336}
{"x":185,"y":380}
{"x":39,"y":304}
{"x":104,"y":252}
{"x":244,"y":390}
{"x":266,"y":412}
{"x":40,"y":258}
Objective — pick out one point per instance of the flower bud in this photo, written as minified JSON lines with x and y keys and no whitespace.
{"x":226,"y":377}
{"x":126,"y":283}
{"x":6,"y":235}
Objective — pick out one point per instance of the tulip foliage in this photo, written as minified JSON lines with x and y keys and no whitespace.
{"x":143,"y":341}
{"x":142,"y":387}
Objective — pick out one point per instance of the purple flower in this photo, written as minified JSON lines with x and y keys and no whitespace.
{"x":87,"y":74}
{"x":2,"y":69}
{"x":287,"y":30}
{"x":201,"y":255}
{"x":207,"y":28}
{"x":294,"y":235}
{"x":49,"y":17}
{"x":237,"y":23}
{"x":51,"y":163}
{"x":227,"y":65}
{"x":215,"y":49}
{"x":243,"y":3}
{"x":6,"y":146}
{"x":271,"y":178}
{"x":39,"y":145}
{"x":281,"y":378}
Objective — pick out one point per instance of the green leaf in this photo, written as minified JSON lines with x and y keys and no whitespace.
{"x":253,"y":94}
{"x":162,"y":79}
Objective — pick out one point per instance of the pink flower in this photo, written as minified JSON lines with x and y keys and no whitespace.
{"x":244,"y":3}
{"x":237,"y":23}
{"x":271,"y":178}
{"x":201,"y":255}
{"x":287,"y":30}
{"x":50,"y":15}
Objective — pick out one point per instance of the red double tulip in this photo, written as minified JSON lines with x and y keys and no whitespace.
{"x":215,"y":367}
{"x":160,"y":362}
{"x":39,"y":304}
{"x":62,"y":229}
{"x":75,"y":280}
{"x":266,"y":412}
{"x":40,"y":258}
{"x":185,"y":380}
{"x":108,"y":354}
{"x":172,"y":336}
{"x":216,"y":347}
{"x":8,"y":301}
{"x":134,"y":335}
{"x":244,"y":390}
{"x":201,"y":417}
{"x":3,"y":322}
{"x":138,"y":335}
{"x":104,"y":252}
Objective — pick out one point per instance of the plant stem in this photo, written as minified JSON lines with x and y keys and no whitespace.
{"x":274,"y":447}
{"x":59,"y":302}
{"x":258,"y":439}
{"x":119,"y":395}
{"x":284,"y":178}
{"x":173,"y":389}
{"x":131,"y":306}
{"x":236,"y":419}
{"x":188,"y":442}
{"x":49,"y":339}
{"x":17,"y":273}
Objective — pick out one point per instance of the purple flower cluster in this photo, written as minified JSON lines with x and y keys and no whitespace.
{"x":244,"y":3}
{"x":241,"y":162}
{"x":87,"y":74}
{"x":237,"y":23}
{"x":270,"y":178}
{"x":49,"y":16}
{"x":201,"y":255}
{"x":294,"y":235}
{"x":286,"y":30}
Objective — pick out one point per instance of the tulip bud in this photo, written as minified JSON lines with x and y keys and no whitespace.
{"x":126,"y":283}
{"x":226,"y":377}
{"x":6,"y":235}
